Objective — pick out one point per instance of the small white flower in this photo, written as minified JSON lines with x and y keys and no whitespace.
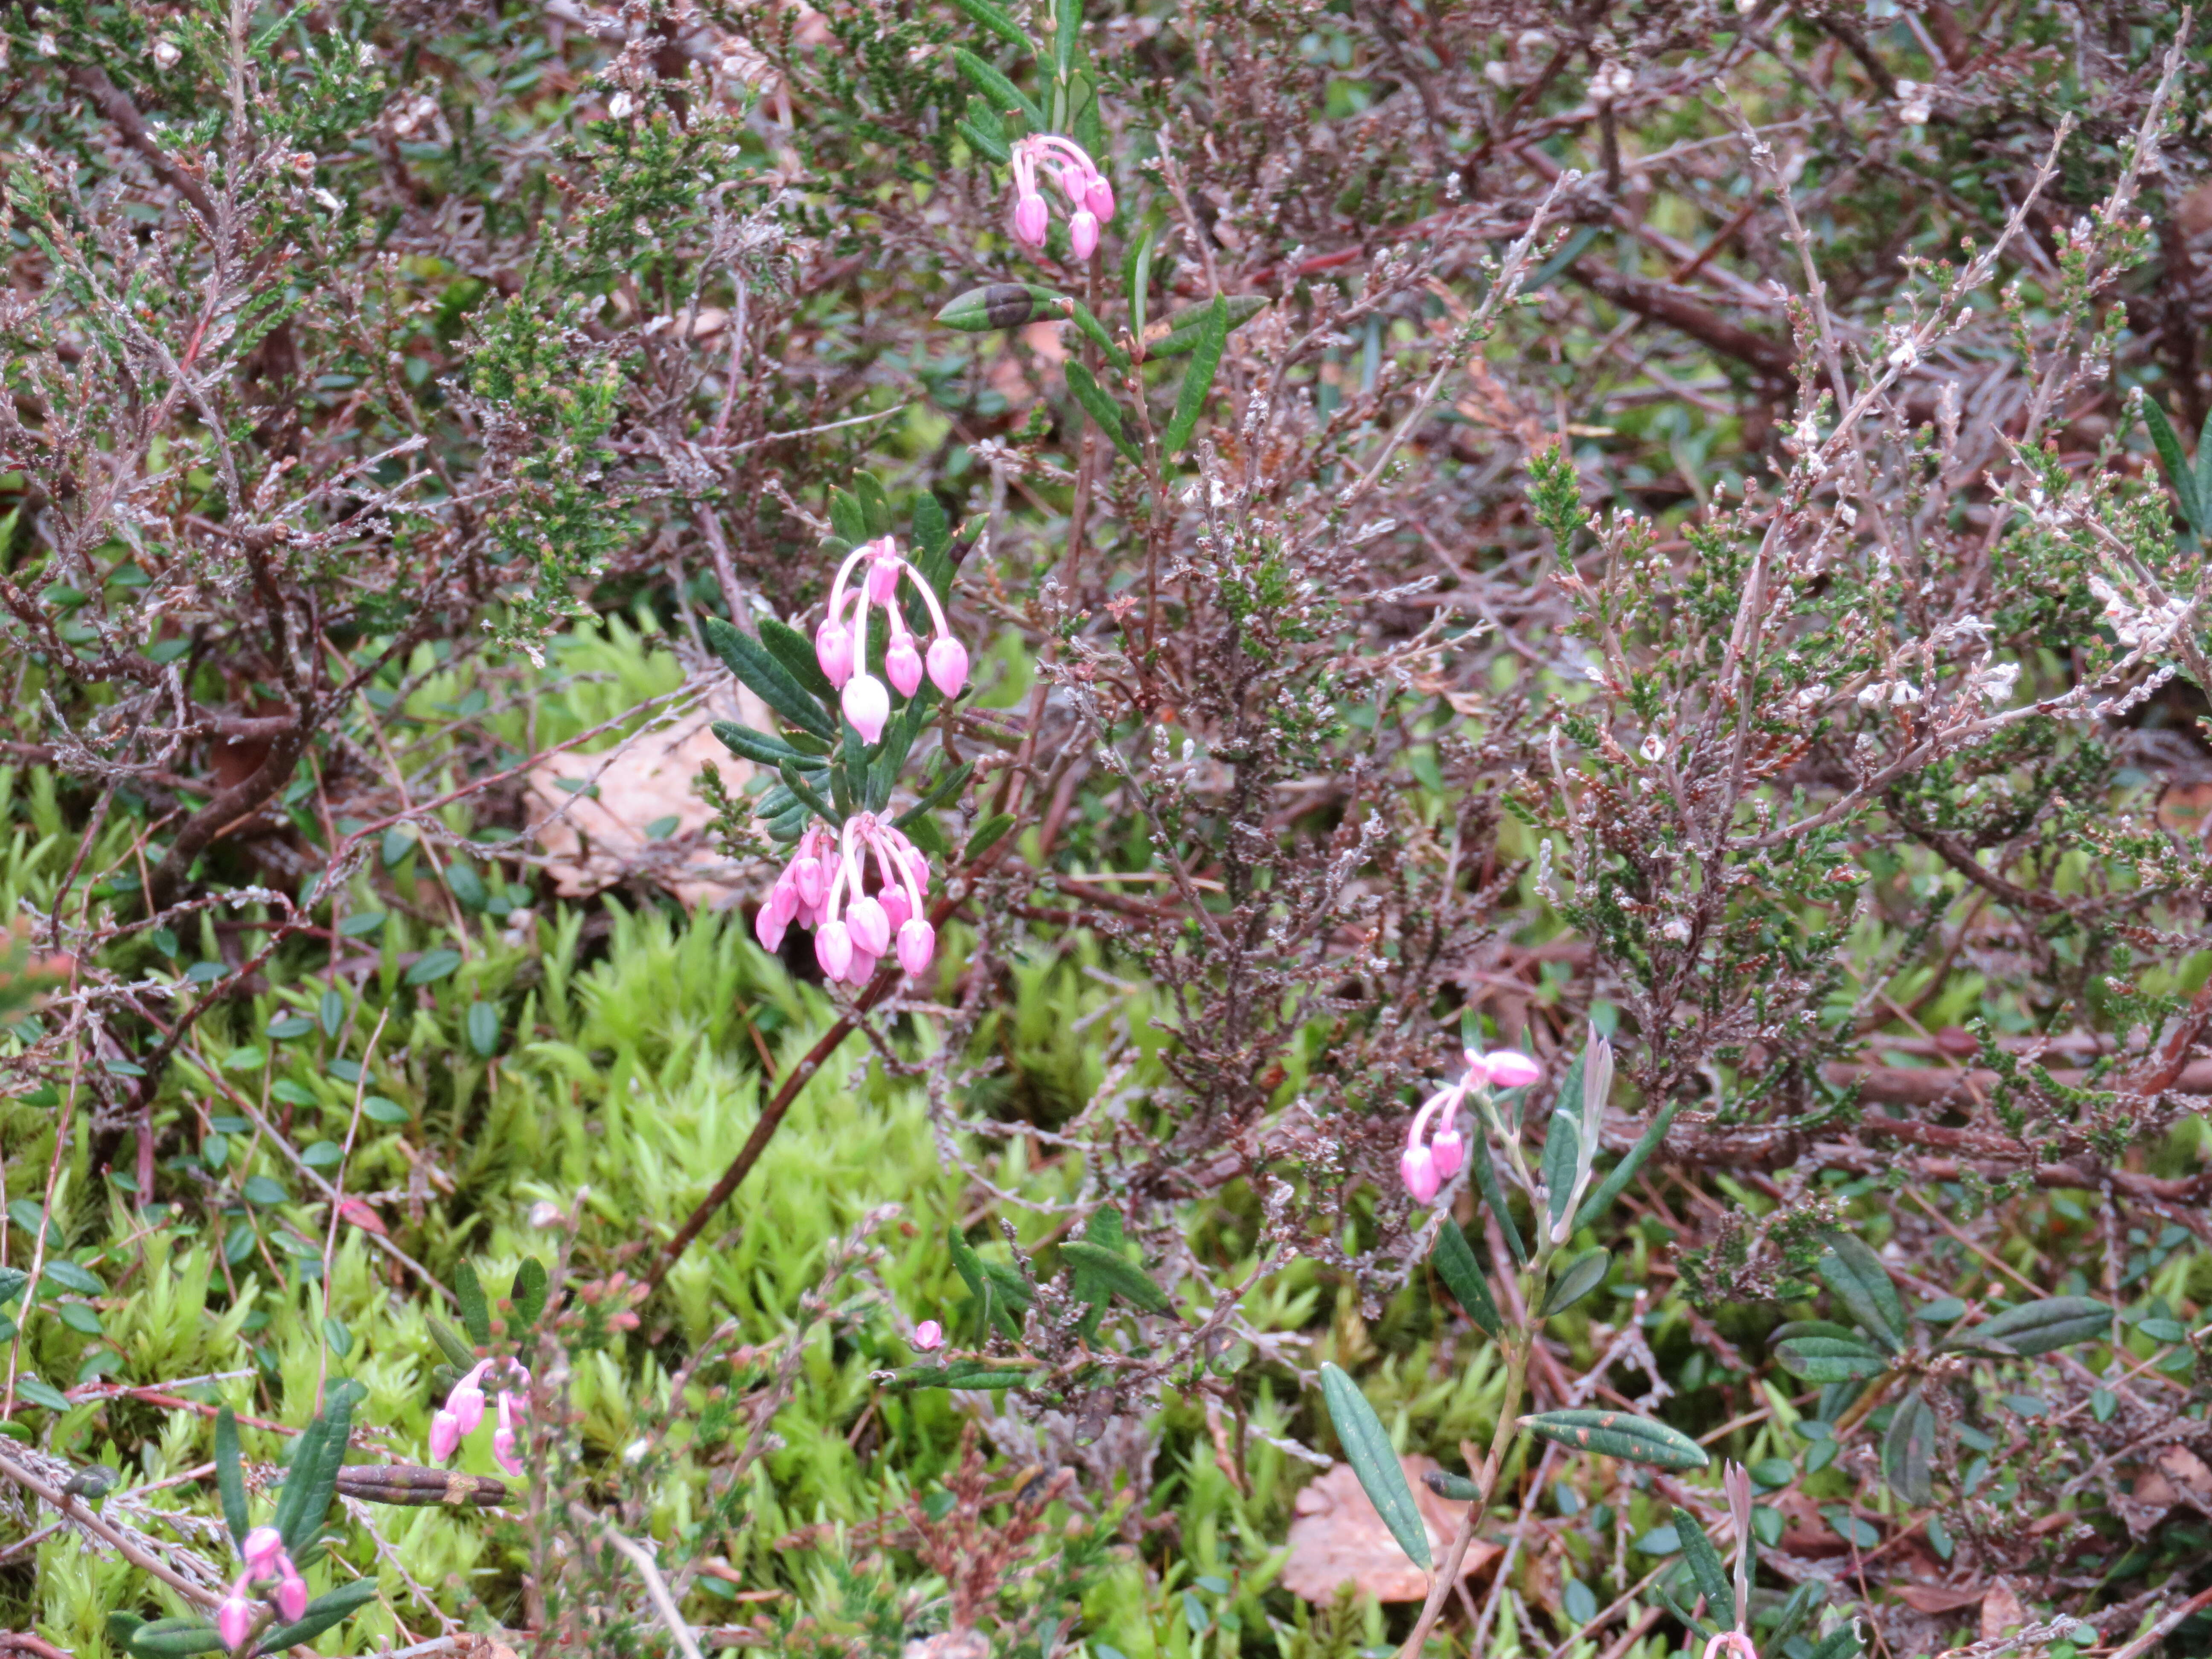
{"x":1612,"y":80}
{"x":1676,"y":929}
{"x":620,"y":105}
{"x":1496,"y":73}
{"x":1847,"y":513}
{"x":1904,"y":353}
{"x":166,"y":54}
{"x":326,"y":198}
{"x":1903,"y":692}
{"x":545,"y":1214}
{"x":1871,"y":696}
{"x":1807,"y":434}
{"x":1654,"y":748}
{"x":48,"y":48}
{"x":1913,"y":98}
{"x":1994,"y":684}
{"x":1810,"y":698}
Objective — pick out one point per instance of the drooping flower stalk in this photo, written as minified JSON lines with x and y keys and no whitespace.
{"x":841,"y":643}
{"x":1090,"y":195}
{"x":464,"y":1409}
{"x":857,"y":927}
{"x":265,"y":1560}
{"x":1427,"y":1163}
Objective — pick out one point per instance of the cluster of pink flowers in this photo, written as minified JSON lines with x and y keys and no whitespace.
{"x":841,"y":644}
{"x":465,"y":1408}
{"x":1427,"y":1164}
{"x":1089,"y":196}
{"x":264,"y":1557}
{"x":823,"y":887}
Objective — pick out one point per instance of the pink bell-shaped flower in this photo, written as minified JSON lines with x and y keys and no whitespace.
{"x":1098,"y":197}
{"x":833,"y":949}
{"x":809,"y":878}
{"x":1417,"y":1170}
{"x":1447,"y":1151}
{"x":917,"y":943}
{"x":502,"y":1438}
{"x":903,"y":666}
{"x":861,"y":969}
{"x":833,"y":650}
{"x":466,"y":1402}
{"x":769,"y":932}
{"x":291,"y":1594}
{"x":896,"y":908}
{"x":1083,"y":234}
{"x":263,"y":1549}
{"x":233,"y":1620}
{"x":871,"y":928}
{"x":928,"y":1337}
{"x":948,"y":665}
{"x":1508,"y":1068}
{"x":446,"y":1428}
{"x":1030,"y":217}
{"x":867,"y":705}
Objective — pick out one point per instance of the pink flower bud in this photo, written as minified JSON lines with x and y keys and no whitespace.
{"x":882,"y":580}
{"x":263,"y":1549}
{"x":928,"y":1336}
{"x":1508,"y":1068}
{"x":917,"y":943}
{"x":948,"y":665}
{"x":833,"y":650}
{"x":291,"y":1594}
{"x":807,"y":876}
{"x":466,"y":1402}
{"x":896,"y":907}
{"x":863,"y":969}
{"x":1083,"y":233}
{"x":783,"y":900}
{"x":1099,"y":199}
{"x":1417,"y":1170}
{"x":446,"y":1429}
{"x":917,"y":861}
{"x":870,"y":927}
{"x":234,"y":1620}
{"x":833,"y":949}
{"x":769,"y":931}
{"x":903,"y":665}
{"x":1029,"y":218}
{"x":867,"y":705}
{"x":502,"y":1439}
{"x":1447,"y":1151}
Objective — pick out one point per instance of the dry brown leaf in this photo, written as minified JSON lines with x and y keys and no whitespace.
{"x":1336,"y":1536}
{"x":1940,"y":1598}
{"x":2001,"y":1611}
{"x":600,"y":840}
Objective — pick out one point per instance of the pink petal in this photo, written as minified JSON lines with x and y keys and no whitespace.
{"x":903,"y":665}
{"x":948,"y":665}
{"x":917,"y":943}
{"x":867,"y":705}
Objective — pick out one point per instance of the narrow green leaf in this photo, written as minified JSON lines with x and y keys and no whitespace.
{"x":1456,"y":1487}
{"x":988,"y":139}
{"x":1485,"y":1177}
{"x":1575,"y":1280}
{"x":1812,"y":1328}
{"x":1829,"y":1358}
{"x":475,"y":1311}
{"x":2036,"y":1328}
{"x":950,"y":785}
{"x":1706,"y":1568}
{"x":1454,"y":1259}
{"x":2178,"y":473}
{"x":987,"y":835}
{"x":1841,"y":1643}
{"x":1100,"y":408}
{"x":1620,"y":1434}
{"x":317,"y":1479}
{"x":1381,"y":1477}
{"x":1563,"y":1152}
{"x":1067,"y":35}
{"x":1002,"y":305}
{"x":298,"y":1477}
{"x":1198,"y":379}
{"x":1140,"y":285}
{"x":1187,"y":327}
{"x":751,"y":662}
{"x":1624,"y":1171}
{"x":1097,"y":331}
{"x":321,"y":1613}
{"x":848,"y":518}
{"x":984,"y":15}
{"x":2203,"y":469}
{"x":1854,"y":1272}
{"x":1908,"y":1451}
{"x":875,"y":506}
{"x":167,"y":1637}
{"x":528,"y":1293}
{"x":451,"y":1343}
{"x":990,"y":1310}
{"x":806,"y":794}
{"x":1004,"y":94}
{"x":796,"y":653}
{"x":230,"y":1476}
{"x":965,"y":1374}
{"x":1118,"y":1273}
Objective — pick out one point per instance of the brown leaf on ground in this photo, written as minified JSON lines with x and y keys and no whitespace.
{"x":1940,"y":1598}
{"x":1337,"y":1537}
{"x":2001,"y":1611}
{"x":601,"y":840}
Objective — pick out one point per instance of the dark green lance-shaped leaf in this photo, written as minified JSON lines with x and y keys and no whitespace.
{"x":2178,"y":473}
{"x":1140,"y":281}
{"x":1454,"y":1259}
{"x":1096,"y":329}
{"x":1100,"y":407}
{"x":796,"y":653}
{"x":984,"y":15}
{"x":1795,"y":1610}
{"x":1381,"y":1477}
{"x":1624,"y":1171}
{"x":476,"y":1311}
{"x":848,"y":518}
{"x":1575,"y":1280}
{"x":528,"y":1294}
{"x":1620,"y":1434}
{"x":988,"y":138}
{"x":760,"y":747}
{"x":1703,"y":1561}
{"x":1118,"y":1273}
{"x":1004,"y":94}
{"x":317,"y":1457}
{"x":1198,"y":379}
{"x":988,"y":834}
{"x":1841,"y":1643}
{"x":965,"y":1374}
{"x":932,"y":535}
{"x":1105,"y":1231}
{"x":751,"y":662}
{"x":1908,"y":1451}
{"x":1494,"y":1195}
{"x":990,"y":1307}
{"x":1830,"y":1358}
{"x":1812,"y":1327}
{"x":937,"y":794}
{"x":451,"y":1343}
{"x":1067,"y":35}
{"x":12,"y":1280}
{"x":1563,"y":1152}
{"x":808,"y":794}
{"x":1854,"y":1272}
{"x":1002,"y":305}
{"x":1456,"y":1487}
{"x":2036,"y":1328}
{"x":1697,"y":1628}
{"x":1008,"y":1288}
{"x":1186,"y":328}
{"x":230,"y":1476}
{"x":165,"y":1637}
{"x":875,"y":506}
{"x":321,"y":1613}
